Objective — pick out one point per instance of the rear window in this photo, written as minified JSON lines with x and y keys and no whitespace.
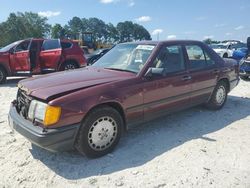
{"x":51,"y":44}
{"x":198,"y":58}
{"x":66,"y":45}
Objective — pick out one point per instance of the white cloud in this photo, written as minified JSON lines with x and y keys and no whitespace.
{"x":209,"y":37}
{"x":200,"y":18}
{"x":107,"y":1}
{"x":131,"y":3}
{"x":239,"y":27}
{"x":229,"y":34}
{"x":157,"y":31}
{"x":143,"y":19}
{"x":49,"y":13}
{"x":171,"y":37}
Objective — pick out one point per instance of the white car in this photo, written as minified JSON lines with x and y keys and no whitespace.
{"x":224,"y":50}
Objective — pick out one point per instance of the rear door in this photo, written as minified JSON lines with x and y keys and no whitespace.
{"x":204,"y":72}
{"x":50,"y":54}
{"x":20,"y":59}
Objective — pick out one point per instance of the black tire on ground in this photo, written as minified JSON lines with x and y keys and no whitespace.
{"x":219,"y":96}
{"x":100,"y":132}
{"x":225,"y":55}
{"x":3,"y":76}
{"x":69,"y":65}
{"x":246,"y":78}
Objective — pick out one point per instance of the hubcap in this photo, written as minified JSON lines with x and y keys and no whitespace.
{"x":69,"y":67}
{"x":220,"y":95}
{"x":102,"y":133}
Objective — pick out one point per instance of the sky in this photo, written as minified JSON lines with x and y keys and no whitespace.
{"x":164,"y":19}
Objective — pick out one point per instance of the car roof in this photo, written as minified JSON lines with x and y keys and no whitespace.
{"x":165,"y":42}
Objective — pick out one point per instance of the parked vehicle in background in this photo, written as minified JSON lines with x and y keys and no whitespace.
{"x":93,"y":57}
{"x":224,"y":50}
{"x":131,"y":84}
{"x":38,"y":56}
{"x":245,"y":68}
{"x":239,"y":53}
{"x":245,"y":63}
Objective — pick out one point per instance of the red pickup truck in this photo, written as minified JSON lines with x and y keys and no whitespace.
{"x":38,"y":56}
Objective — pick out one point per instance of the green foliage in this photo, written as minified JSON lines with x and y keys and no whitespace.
{"x":210,"y":41}
{"x":23,"y":25}
{"x":30,"y":25}
{"x":123,"y":32}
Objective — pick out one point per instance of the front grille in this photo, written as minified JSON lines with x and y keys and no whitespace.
{"x":22,"y":103}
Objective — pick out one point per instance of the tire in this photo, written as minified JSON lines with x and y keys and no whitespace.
{"x":219,"y":97}
{"x":3,"y":76}
{"x":100,"y":132}
{"x":225,"y":55}
{"x":70,"y":65}
{"x":246,"y":78}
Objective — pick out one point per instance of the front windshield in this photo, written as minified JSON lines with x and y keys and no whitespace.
{"x":8,"y":47}
{"x":219,"y":46}
{"x":126,"y":57}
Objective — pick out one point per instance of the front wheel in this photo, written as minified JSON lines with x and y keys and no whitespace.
{"x":219,"y":97}
{"x":100,"y":132}
{"x":2,"y":76}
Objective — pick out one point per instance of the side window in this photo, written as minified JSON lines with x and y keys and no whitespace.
{"x":66,"y":45}
{"x":50,"y":44}
{"x":171,"y":59}
{"x":196,"y":57}
{"x":23,"y":46}
{"x":209,"y":60}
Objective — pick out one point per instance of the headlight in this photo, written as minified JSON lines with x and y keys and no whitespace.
{"x":44,"y":113}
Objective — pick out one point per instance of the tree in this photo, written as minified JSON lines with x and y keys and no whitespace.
{"x":112,"y":33}
{"x":129,"y":31}
{"x":140,"y":33}
{"x":23,"y":25}
{"x":57,"y":31}
{"x":75,"y":27}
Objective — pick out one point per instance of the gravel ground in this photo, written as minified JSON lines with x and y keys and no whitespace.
{"x":192,"y":148}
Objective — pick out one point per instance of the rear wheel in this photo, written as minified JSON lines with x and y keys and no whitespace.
{"x":225,"y":55}
{"x":3,"y":76}
{"x":70,"y":65}
{"x":100,"y":132}
{"x":218,"y":97}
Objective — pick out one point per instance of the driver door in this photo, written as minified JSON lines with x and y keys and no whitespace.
{"x":171,"y":91}
{"x":20,"y":59}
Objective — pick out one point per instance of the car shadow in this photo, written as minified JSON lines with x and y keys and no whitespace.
{"x":143,"y":143}
{"x":12,"y":82}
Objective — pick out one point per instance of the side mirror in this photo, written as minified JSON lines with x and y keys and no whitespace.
{"x":155,"y":72}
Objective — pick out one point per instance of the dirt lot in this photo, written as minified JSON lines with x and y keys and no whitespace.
{"x":192,"y":148}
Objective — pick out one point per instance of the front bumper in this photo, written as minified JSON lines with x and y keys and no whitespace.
{"x":55,"y":139}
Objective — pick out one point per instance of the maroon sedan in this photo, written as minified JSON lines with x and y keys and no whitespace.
{"x":38,"y":56}
{"x":89,"y":108}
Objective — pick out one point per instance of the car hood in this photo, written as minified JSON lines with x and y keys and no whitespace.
{"x":49,"y":86}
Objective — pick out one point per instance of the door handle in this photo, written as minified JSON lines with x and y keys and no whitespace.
{"x":185,"y":78}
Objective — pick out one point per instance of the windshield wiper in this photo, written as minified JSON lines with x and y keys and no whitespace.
{"x":124,"y":70}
